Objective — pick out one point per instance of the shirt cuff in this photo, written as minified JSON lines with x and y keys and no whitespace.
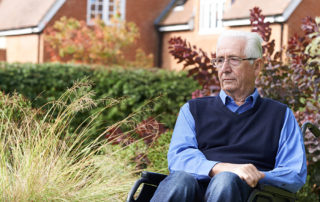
{"x":206,"y":167}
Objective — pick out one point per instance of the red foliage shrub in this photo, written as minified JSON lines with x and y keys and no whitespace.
{"x":198,"y":64}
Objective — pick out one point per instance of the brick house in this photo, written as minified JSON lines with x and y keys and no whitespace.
{"x":201,"y":21}
{"x":22,"y":23}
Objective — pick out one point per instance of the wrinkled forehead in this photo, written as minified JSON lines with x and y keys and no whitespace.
{"x":231,"y":46}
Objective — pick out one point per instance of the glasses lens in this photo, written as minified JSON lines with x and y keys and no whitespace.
{"x":234,"y":61}
{"x":218,"y":62}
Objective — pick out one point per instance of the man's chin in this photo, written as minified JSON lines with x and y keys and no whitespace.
{"x":229,"y":88}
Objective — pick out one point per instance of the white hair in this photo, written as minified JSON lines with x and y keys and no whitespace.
{"x":253,"y":47}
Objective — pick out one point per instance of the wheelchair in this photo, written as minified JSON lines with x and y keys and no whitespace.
{"x":147,"y":184}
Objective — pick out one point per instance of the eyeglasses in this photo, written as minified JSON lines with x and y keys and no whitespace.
{"x":233,"y":61}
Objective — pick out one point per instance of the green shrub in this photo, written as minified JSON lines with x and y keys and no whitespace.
{"x":138,"y":86}
{"x":45,"y":82}
{"x":306,"y":193}
{"x":40,"y":83}
{"x":157,"y":154}
{"x":151,"y":157}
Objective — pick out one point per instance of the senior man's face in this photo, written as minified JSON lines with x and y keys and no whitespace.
{"x":235,"y":80}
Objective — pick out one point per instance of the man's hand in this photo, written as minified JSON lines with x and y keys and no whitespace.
{"x":246,"y":172}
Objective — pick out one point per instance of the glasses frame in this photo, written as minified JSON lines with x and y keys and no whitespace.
{"x":214,"y":61}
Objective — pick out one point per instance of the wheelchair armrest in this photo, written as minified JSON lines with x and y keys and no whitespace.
{"x":152,"y":178}
{"x":147,"y":178}
{"x":271,"y":193}
{"x":313,"y":129}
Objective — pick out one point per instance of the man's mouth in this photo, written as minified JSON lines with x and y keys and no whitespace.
{"x":228,"y":79}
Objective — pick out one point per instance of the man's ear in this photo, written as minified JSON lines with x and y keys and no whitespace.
{"x":258,"y":65}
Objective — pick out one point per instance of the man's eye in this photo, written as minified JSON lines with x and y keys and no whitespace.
{"x":234,"y":59}
{"x":220,"y":60}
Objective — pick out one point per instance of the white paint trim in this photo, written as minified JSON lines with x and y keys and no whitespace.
{"x":123,"y":9}
{"x":272,"y":19}
{"x":178,"y":8}
{"x":246,"y":21}
{"x":230,"y":23}
{"x":171,"y":28}
{"x":211,"y":14}
{"x":105,"y":10}
{"x":289,"y":10}
{"x":3,"y":43}
{"x":49,"y":15}
{"x":20,"y":31}
{"x":88,"y":12}
{"x":181,"y":27}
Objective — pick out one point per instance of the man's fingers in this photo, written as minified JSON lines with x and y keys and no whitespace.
{"x":251,"y":180}
{"x":246,"y":177}
{"x":250,"y":174}
{"x":247,"y":172}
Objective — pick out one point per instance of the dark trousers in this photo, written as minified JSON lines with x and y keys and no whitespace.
{"x":181,"y":186}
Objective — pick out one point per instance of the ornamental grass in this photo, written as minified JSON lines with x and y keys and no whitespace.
{"x":43,"y":159}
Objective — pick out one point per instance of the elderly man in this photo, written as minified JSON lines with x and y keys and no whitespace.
{"x":222,"y":146}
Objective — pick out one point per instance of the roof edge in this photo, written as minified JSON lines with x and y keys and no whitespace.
{"x":246,"y":21}
{"x":177,"y":27}
{"x":290,"y":9}
{"x":173,"y":28}
{"x":164,"y":12}
{"x":41,"y":25}
{"x":22,"y":31}
{"x":272,"y":19}
{"x":49,"y":15}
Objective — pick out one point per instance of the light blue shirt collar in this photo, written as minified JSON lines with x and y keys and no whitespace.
{"x":226,"y":99}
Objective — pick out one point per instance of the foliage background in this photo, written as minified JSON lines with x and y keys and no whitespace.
{"x":46,"y":82}
{"x":295,"y":82}
{"x":71,"y":40}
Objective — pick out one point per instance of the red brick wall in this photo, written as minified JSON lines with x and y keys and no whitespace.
{"x":3,"y":55}
{"x":305,"y":8}
{"x":71,"y":8}
{"x":143,"y":13}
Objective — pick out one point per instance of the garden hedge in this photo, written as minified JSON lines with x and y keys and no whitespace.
{"x":41,"y":83}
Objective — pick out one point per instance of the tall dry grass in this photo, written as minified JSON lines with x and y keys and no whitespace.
{"x":41,"y":160}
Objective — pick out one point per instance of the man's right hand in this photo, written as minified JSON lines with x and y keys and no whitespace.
{"x":247,"y":172}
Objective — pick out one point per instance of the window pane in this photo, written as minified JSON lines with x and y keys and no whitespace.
{"x":105,"y":9}
{"x":211,"y":12}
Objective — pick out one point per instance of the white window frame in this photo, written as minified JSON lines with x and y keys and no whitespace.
{"x":3,"y":44}
{"x":105,"y":13}
{"x":180,"y":6}
{"x":210,"y":16}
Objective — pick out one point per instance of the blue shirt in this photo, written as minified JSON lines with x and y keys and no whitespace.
{"x":290,"y":169}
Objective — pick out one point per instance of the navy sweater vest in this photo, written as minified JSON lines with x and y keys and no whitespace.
{"x":250,"y":137}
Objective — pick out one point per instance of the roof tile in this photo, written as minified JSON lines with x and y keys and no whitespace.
{"x":240,"y":8}
{"x":16,"y":14}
